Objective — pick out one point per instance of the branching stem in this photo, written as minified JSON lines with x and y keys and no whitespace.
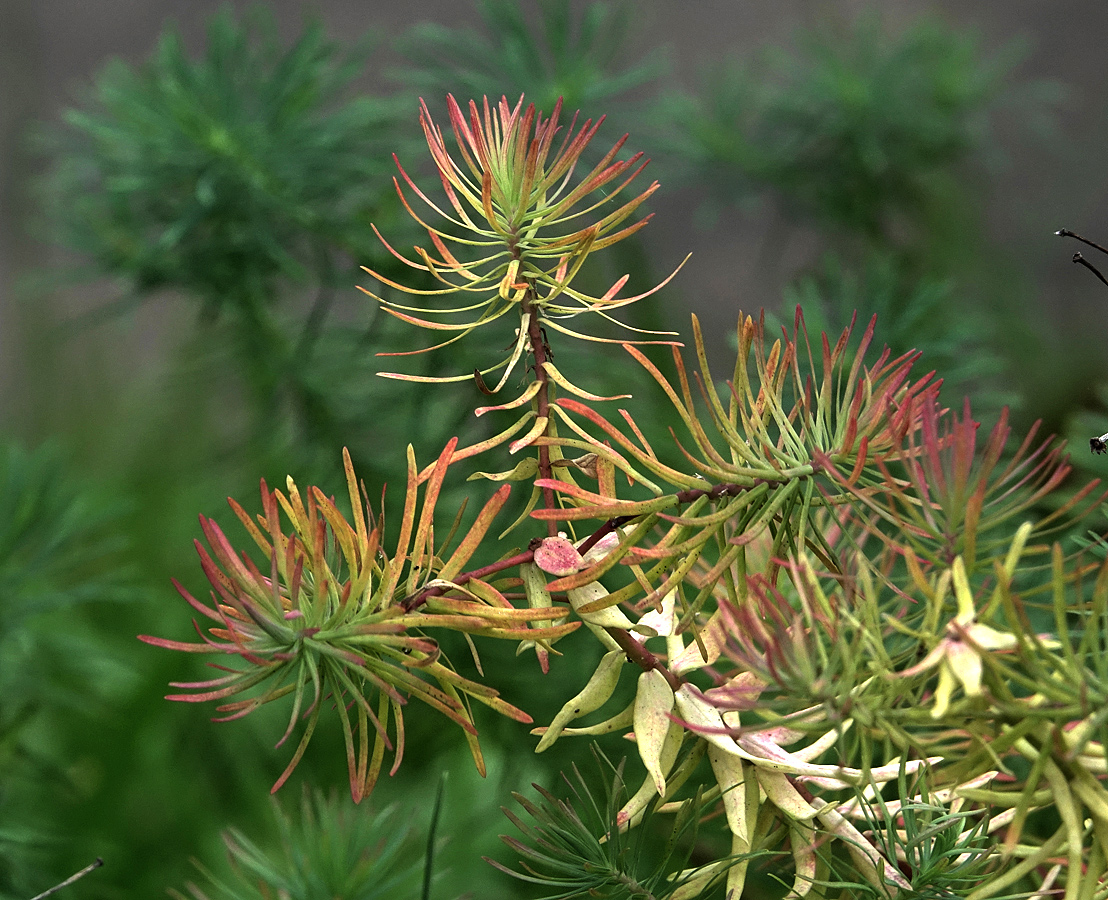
{"x":417,"y":599}
{"x":603,"y":531}
{"x":724,"y":489}
{"x":641,"y":657}
{"x":1065,"y":232}
{"x":636,"y":652}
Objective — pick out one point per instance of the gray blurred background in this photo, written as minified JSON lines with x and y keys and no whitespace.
{"x":50,"y":49}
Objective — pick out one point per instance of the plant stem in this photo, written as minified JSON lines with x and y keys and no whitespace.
{"x":1080,"y":260}
{"x":640,"y":656}
{"x":636,"y":652}
{"x":72,"y":878}
{"x":726,"y":489}
{"x":603,"y":531}
{"x":542,"y":399}
{"x":1065,"y":232}
{"x":417,"y":599}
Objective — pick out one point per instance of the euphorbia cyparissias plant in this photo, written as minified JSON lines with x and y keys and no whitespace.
{"x":824,"y":594}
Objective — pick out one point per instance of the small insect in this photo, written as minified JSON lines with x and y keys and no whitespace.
{"x":1099,"y":444}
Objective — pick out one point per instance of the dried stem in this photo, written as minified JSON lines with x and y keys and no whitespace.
{"x":72,"y":878}
{"x":1065,"y":232}
{"x":1080,"y":260}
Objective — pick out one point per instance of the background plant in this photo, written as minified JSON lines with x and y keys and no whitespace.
{"x":877,"y":141}
{"x":246,"y":181}
{"x":580,"y":59}
{"x":330,"y":850}
{"x":61,"y":569}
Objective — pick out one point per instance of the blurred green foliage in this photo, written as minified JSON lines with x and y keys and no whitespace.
{"x":914,"y":306}
{"x":60,"y":554}
{"x":246,"y":180}
{"x":232,"y":178}
{"x":856,"y":129}
{"x":333,"y":849}
{"x":583,"y":59}
{"x":881,"y":144}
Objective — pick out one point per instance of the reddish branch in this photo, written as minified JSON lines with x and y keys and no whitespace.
{"x":542,"y":399}
{"x":726,"y":489}
{"x":416,"y":600}
{"x":640,"y":656}
{"x":603,"y":531}
{"x":636,"y":652}
{"x":634,"y":649}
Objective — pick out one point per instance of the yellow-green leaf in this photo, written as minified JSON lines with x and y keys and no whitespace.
{"x":524,"y":471}
{"x":653,"y":704}
{"x":595,"y":694}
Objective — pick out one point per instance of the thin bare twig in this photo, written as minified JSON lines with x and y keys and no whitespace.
{"x":1065,"y":232}
{"x":1097,"y":444}
{"x":1080,"y":260}
{"x":72,"y":878}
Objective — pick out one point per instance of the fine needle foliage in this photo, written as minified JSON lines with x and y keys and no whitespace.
{"x":328,"y":850}
{"x":546,"y":51}
{"x":242,"y":181}
{"x":329,"y":625}
{"x":877,"y":139}
{"x":860,"y":658}
{"x":61,"y":556}
{"x":587,"y":853}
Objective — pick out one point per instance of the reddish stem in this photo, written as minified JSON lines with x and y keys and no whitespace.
{"x":542,"y":399}
{"x":417,"y":599}
{"x":640,"y":656}
{"x":636,"y":652}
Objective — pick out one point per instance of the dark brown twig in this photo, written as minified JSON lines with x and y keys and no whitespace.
{"x":1097,"y":444}
{"x":1065,"y":232}
{"x":1080,"y":260}
{"x":416,"y":600}
{"x":643,"y":658}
